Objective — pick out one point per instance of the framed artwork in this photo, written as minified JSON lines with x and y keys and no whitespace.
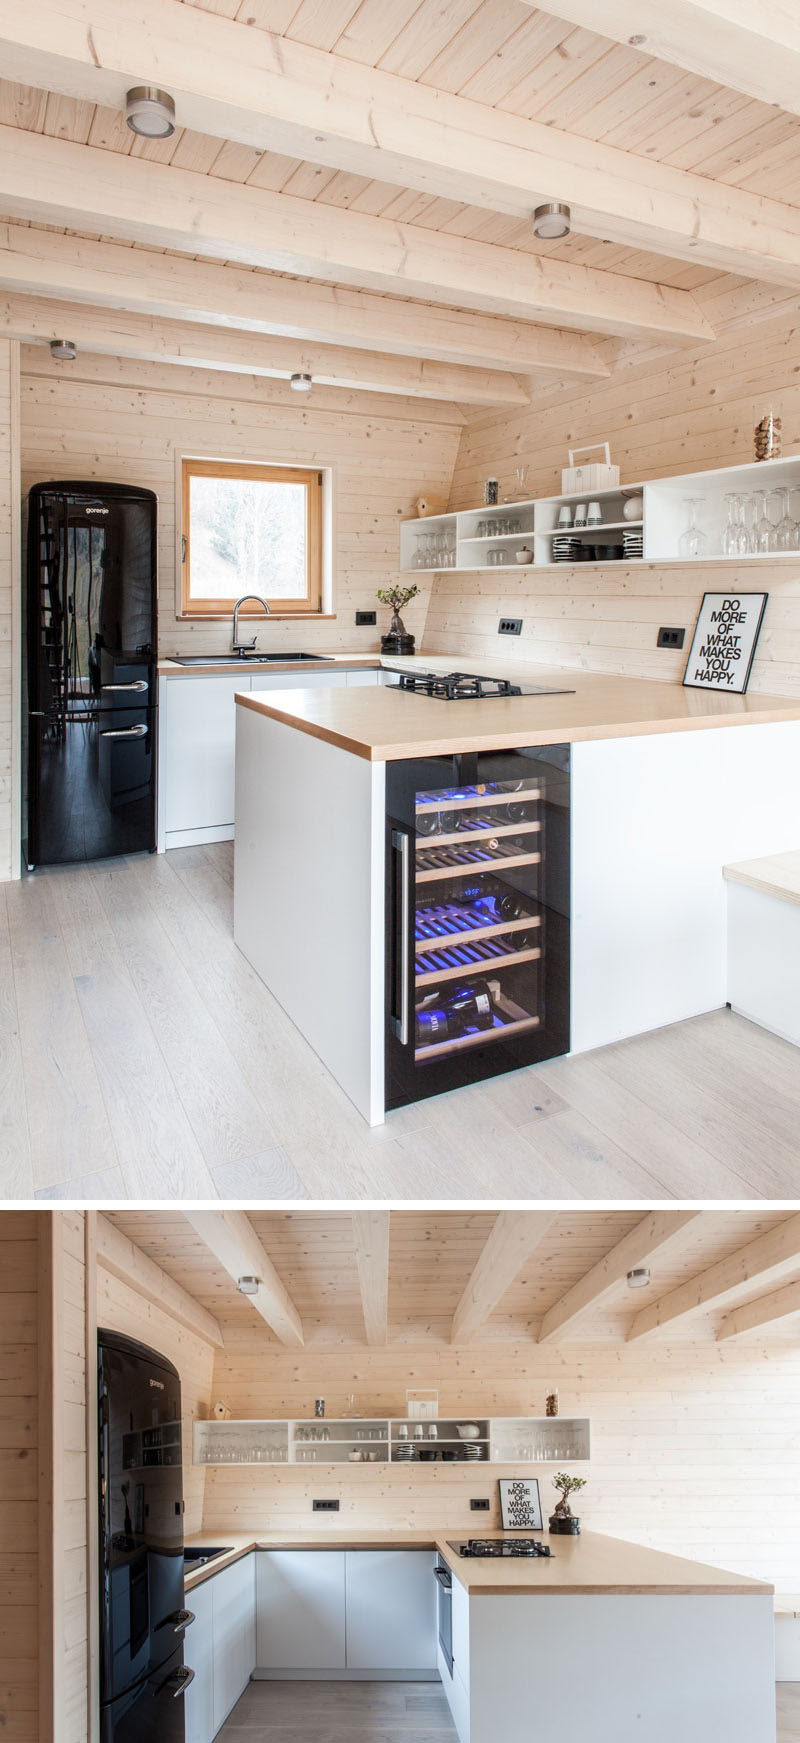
{"x":520,"y":1506}
{"x":724,"y":642}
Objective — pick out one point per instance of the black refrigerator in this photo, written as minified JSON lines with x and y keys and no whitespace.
{"x":142,"y":1617}
{"x":91,"y":700}
{"x":477,"y":917}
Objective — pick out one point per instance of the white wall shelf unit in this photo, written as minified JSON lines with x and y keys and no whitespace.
{"x":376,"y":1440}
{"x":664,"y":519}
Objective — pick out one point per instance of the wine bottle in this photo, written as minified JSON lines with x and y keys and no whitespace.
{"x":466,"y":1007}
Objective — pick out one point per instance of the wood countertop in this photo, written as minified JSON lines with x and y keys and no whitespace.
{"x":383,"y":725}
{"x":592,"y":1565}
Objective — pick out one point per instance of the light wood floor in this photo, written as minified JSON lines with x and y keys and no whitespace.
{"x":303,"y":1712}
{"x":336,"y":1712}
{"x":141,"y":1057}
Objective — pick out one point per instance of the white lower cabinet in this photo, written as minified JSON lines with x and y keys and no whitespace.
{"x":197,"y":747}
{"x":220,"y":1647}
{"x":198,"y":1653}
{"x":391,"y":1610}
{"x":234,"y":1621}
{"x":345,"y":1611}
{"x":457,"y":1697}
{"x":300,"y":1609}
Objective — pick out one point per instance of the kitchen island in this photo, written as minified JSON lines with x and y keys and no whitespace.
{"x":667,"y":785}
{"x":605,"y":1639}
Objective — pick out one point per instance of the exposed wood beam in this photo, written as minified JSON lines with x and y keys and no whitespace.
{"x":371,"y":1235}
{"x":749,"y":45}
{"x":263,"y":90}
{"x":107,"y":275}
{"x":184,"y":342}
{"x":230,"y":1236}
{"x":115,"y":1253}
{"x":765,"y":1257}
{"x":55,"y":181}
{"x":660,"y":1229}
{"x":767,"y":1310}
{"x":514,"y":1237}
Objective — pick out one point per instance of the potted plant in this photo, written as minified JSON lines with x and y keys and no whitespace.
{"x":397,"y":639}
{"x":563,"y":1522}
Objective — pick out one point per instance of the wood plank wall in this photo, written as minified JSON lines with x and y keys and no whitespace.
{"x":71,"y":1479}
{"x":662,"y":416}
{"x":19,"y":1477}
{"x":121,"y":1308}
{"x":103,"y":417}
{"x":9,"y":607}
{"x":694,"y":1444}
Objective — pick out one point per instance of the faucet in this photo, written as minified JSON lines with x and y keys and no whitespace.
{"x":245,"y":647}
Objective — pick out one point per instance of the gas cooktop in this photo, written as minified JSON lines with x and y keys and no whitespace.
{"x":469,"y":687}
{"x":502,"y":1546}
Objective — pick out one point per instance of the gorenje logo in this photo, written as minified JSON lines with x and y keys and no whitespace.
{"x":158,"y":1383}
{"x":97,"y":511}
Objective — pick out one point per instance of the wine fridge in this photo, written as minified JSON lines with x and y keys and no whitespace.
{"x":477,"y":912}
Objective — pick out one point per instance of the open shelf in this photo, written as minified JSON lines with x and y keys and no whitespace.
{"x":509,"y":1440}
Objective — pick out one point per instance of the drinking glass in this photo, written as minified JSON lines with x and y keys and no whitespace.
{"x":692,"y":542}
{"x":785,"y":529}
{"x":521,"y":475}
{"x":763,"y":525}
{"x":734,"y":538}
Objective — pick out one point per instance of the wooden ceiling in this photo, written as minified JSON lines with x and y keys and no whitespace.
{"x":434,"y":1254}
{"x":518,"y":63}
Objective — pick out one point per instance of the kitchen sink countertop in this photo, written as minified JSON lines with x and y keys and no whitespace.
{"x":382,"y":724}
{"x":172,"y":668}
{"x":592,"y":1564}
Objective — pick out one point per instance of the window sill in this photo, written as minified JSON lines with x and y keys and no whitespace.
{"x":256,"y":617}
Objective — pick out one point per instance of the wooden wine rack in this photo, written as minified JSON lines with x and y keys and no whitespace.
{"x":481,"y":801}
{"x":467,"y":970}
{"x":515,"y":1022}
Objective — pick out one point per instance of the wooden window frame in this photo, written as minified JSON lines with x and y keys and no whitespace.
{"x":312,"y":479}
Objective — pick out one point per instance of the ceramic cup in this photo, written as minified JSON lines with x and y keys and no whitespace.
{"x":580,"y":514}
{"x":524,"y":556}
{"x":565,"y":516}
{"x":595,"y":516}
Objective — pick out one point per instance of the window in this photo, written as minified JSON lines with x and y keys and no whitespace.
{"x":250,"y":529}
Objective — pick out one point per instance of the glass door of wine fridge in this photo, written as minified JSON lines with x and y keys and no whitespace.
{"x":477,"y":909}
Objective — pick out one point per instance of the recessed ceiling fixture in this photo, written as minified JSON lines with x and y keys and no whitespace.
{"x":150,"y":112}
{"x":63,"y":350}
{"x":552,"y":220}
{"x":300,"y":382}
{"x":639,"y":1277}
{"x":248,"y":1285}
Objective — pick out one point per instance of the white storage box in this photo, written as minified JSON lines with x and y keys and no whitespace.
{"x":584,"y":479}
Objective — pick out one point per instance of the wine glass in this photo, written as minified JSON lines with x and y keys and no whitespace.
{"x":762,"y":529}
{"x":734,"y":538}
{"x":692,"y":542}
{"x":785,"y":529}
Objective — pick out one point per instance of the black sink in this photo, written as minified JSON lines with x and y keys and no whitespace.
{"x":244,"y":659}
{"x":197,"y":1557}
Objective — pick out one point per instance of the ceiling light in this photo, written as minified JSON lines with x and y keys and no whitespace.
{"x":639,"y":1277}
{"x":248,"y":1285}
{"x":64,"y":350}
{"x":552,"y":221}
{"x":300,"y":382}
{"x":150,"y":112}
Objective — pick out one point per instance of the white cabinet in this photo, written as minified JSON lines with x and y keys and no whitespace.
{"x":391,"y":1610}
{"x":300,"y":1609}
{"x":364,"y":675}
{"x":198,"y":1654}
{"x":220,"y":1647}
{"x":233,"y":1594}
{"x":198,"y":734}
{"x":301,"y":680}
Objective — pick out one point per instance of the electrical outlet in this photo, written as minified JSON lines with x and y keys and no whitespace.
{"x":480,"y":1506}
{"x":365,"y":617}
{"x":324,"y":1506}
{"x":670,"y":638}
{"x":509,"y":626}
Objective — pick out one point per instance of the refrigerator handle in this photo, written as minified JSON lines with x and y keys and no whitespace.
{"x":125,"y":731}
{"x":179,"y":1620}
{"x":138,"y":684}
{"x":401,"y":844}
{"x":178,"y":1681}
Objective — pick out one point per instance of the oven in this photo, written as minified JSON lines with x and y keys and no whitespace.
{"x":444,"y":1591}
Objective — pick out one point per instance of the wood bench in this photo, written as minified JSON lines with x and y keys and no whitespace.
{"x":763,"y":971}
{"x":787,"y":1637}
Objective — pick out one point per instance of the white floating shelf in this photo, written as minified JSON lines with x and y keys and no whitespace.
{"x":509,"y":1440}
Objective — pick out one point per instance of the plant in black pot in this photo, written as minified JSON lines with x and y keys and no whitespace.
{"x":397,"y":639}
{"x":563,"y":1522}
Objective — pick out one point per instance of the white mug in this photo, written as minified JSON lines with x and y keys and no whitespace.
{"x":565,"y":516}
{"x":402,"y":1432}
{"x":419,"y":1432}
{"x":580,"y":514}
{"x":595,"y":515}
